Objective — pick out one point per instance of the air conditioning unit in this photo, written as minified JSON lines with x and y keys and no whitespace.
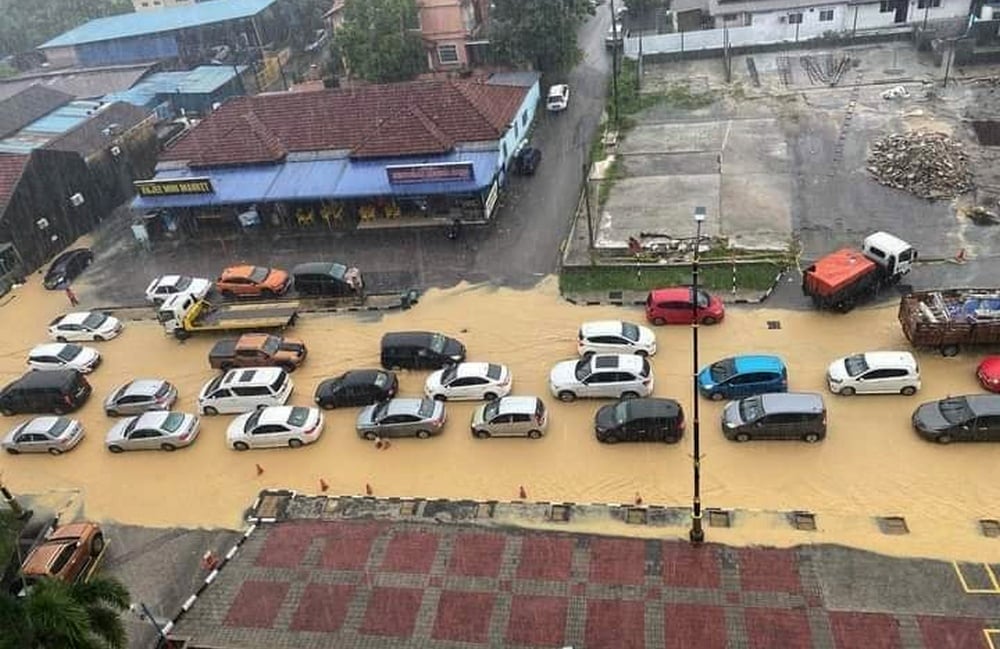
{"x":783,"y":19}
{"x":116,"y":151}
{"x":76,"y":199}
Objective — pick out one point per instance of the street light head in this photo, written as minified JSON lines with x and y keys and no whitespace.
{"x":699,"y":214}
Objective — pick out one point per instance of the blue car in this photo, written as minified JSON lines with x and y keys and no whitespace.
{"x":743,"y":376}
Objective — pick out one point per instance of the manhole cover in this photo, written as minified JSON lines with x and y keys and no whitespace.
{"x":272,"y":505}
{"x":893,"y":525}
{"x":774,"y":324}
{"x":636,"y":516}
{"x":805,"y":521}
{"x":990,"y":527}
{"x":559,"y":513}
{"x":719,"y":518}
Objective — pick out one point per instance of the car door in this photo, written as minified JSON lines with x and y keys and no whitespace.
{"x":269,"y":435}
{"x":636,"y":430}
{"x":756,"y":383}
{"x":144,"y":439}
{"x":131,"y":403}
{"x":987,"y":428}
{"x":397,"y":426}
{"x":32,"y":443}
{"x":520,"y":424}
{"x":470,"y":387}
{"x":500,"y":426}
{"x":597,"y":384}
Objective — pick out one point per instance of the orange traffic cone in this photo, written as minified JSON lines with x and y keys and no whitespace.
{"x":638,"y":498}
{"x":522,"y":493}
{"x":368,"y":489}
{"x":322,"y":485}
{"x":260,"y":469}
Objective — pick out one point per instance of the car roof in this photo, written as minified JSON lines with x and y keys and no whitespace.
{"x":276,"y":414}
{"x":473,"y":368}
{"x":144,"y":387}
{"x":653,"y":407}
{"x":49,"y":379}
{"x":361,"y":377}
{"x":66,"y":254}
{"x":890,"y":243}
{"x":671,"y":292}
{"x":601,"y":327}
{"x":557,"y":89}
{"x":40,"y":424}
{"x":76,"y":317}
{"x":153,"y":418}
{"x":792,"y":402}
{"x":404,"y":406}
{"x":251,"y":375}
{"x":758,"y":363}
{"x":47,"y":348}
{"x":622,"y":361}
{"x":407,"y":337}
{"x":517,"y":404}
{"x":168,"y":280}
{"x":890,"y":359}
{"x":984,"y":404}
{"x":331,"y":268}
{"x":237,"y":271}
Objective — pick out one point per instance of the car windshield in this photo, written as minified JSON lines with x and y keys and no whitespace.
{"x":703,"y":300}
{"x":58,"y":427}
{"x":621,"y":412}
{"x":298,"y":416}
{"x":582,"y":370}
{"x":381,"y":380}
{"x":751,"y":409}
{"x":630,"y":331}
{"x":491,"y":409}
{"x":426,"y":408}
{"x":163,"y":390}
{"x":722,"y":370}
{"x":172,"y":422}
{"x":955,"y":411}
{"x":94,"y":320}
{"x":337,"y":271}
{"x":437,"y":343}
{"x":259,"y":274}
{"x":494,"y":371}
{"x":213,"y":384}
{"x":380,"y":410}
{"x":448,"y":374}
{"x":182,"y":283}
{"x":69,"y":352}
{"x":252,"y":421}
{"x":271,"y":345}
{"x":855,"y":365}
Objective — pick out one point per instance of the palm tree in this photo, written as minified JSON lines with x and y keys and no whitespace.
{"x":57,"y":615}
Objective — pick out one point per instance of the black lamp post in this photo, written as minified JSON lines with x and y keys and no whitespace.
{"x":697,"y":534}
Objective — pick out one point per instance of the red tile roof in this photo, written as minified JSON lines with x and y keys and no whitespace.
{"x":11,"y":168}
{"x":372,"y":121}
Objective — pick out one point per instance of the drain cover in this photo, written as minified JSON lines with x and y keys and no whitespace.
{"x":719,"y":518}
{"x":774,"y":324}
{"x":990,"y":527}
{"x":636,"y":515}
{"x":893,"y":525}
{"x":805,"y":521}
{"x":559,"y":513}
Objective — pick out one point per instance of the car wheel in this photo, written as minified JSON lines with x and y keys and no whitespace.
{"x":98,"y":338}
{"x":659,"y":322}
{"x":97,"y":545}
{"x":535,"y":434}
{"x":847,"y":392}
{"x":629,"y":395}
{"x":609,"y":439}
{"x":227,"y":294}
{"x":943,"y":439}
{"x":642,"y":353}
{"x":225,"y":367}
{"x":567,"y":396}
{"x":114,"y":448}
{"x":481,"y":434}
{"x":908,"y":391}
{"x":370,"y":435}
{"x":949,"y":350}
{"x":241,"y":446}
{"x":326,"y":405}
{"x":811,"y":438}
{"x":742,"y":437}
{"x":295,"y":443}
{"x":7,"y":412}
{"x":716,"y":396}
{"x":440,"y":397}
{"x":55,"y":451}
{"x":708,"y":320}
{"x":111,"y":413}
{"x":423,"y":434}
{"x":210,"y":411}
{"x":168,"y":447}
{"x":267,"y":294}
{"x":490,"y":396}
{"x":58,"y":410}
{"x":61,"y":339}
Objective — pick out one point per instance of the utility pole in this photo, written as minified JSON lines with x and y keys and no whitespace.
{"x":697,"y":533}
{"x":20,"y":513}
{"x":614,"y":62}
{"x":586,"y":200}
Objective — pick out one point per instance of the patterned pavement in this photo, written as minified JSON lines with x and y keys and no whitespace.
{"x":375,"y":584}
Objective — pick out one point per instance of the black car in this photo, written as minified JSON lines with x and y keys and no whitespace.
{"x":972,"y":418}
{"x":420,"y":350}
{"x":356,"y":388}
{"x":54,"y":391}
{"x":640,"y":420}
{"x":327,"y":278}
{"x":526,"y":161}
{"x":65,"y":268}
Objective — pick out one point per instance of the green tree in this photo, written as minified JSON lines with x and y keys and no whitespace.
{"x":57,"y":615}
{"x":26,"y":25}
{"x":538,"y":33}
{"x":380,"y":40}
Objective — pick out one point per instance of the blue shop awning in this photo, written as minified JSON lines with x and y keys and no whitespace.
{"x":312,"y":180}
{"x":364,"y":178}
{"x":232,"y":186}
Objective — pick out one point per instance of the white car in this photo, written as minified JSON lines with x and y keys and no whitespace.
{"x":157,"y":430}
{"x":610,"y":376}
{"x":469,"y":381}
{"x":166,"y":285}
{"x":54,"y":435}
{"x":558,"y":98}
{"x":615,"y":337}
{"x":64,"y":356}
{"x":275,"y":426}
{"x":84,"y":325}
{"x":874,"y":373}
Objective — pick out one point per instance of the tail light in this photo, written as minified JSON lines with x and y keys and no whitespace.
{"x":681,"y":426}
{"x":185,"y":436}
{"x":646,"y":380}
{"x":68,"y":400}
{"x":539,"y":419}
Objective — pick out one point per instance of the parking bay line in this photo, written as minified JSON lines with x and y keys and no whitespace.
{"x":985,"y":582}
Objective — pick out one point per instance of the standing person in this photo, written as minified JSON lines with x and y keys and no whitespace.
{"x":71,"y":296}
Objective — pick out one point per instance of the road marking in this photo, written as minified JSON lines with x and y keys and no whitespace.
{"x":986,"y":570}
{"x":990,"y":635}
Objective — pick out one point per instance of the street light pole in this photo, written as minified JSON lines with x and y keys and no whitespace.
{"x":697,"y":534}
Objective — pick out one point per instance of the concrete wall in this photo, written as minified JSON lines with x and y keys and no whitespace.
{"x":127,"y":50}
{"x":519,"y":127}
{"x":446,"y":22}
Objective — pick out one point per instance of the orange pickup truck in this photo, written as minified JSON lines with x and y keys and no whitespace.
{"x":70,"y":553}
{"x":257,"y":350}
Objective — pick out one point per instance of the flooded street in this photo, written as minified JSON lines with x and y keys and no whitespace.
{"x":871,"y":464}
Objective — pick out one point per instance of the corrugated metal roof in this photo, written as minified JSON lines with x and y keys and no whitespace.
{"x":521,"y":79}
{"x":11,"y":168}
{"x":159,"y":21}
{"x":82,"y":83}
{"x":51,"y":126}
{"x":202,"y":80}
{"x":25,"y":107}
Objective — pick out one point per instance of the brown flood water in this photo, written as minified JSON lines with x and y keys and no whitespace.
{"x":871,"y":464}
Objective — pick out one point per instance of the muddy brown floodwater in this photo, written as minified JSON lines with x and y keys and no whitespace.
{"x":871,"y":464}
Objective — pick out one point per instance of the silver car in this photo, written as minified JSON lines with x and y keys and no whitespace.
{"x":510,"y":417}
{"x":160,"y":430}
{"x":54,"y":435}
{"x":139,"y":396}
{"x":402,"y":418}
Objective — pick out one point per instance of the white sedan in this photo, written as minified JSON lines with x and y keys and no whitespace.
{"x":84,"y":325}
{"x":54,"y":435}
{"x":275,"y":426}
{"x":558,"y":98}
{"x":64,"y":356}
{"x":160,"y":429}
{"x":615,"y":337}
{"x":470,"y":381}
{"x":167,"y":285}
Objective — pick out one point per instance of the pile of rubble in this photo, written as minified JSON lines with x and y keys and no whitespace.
{"x":930,"y":165}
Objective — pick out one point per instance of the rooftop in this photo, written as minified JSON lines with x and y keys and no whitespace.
{"x":202,"y":80}
{"x":76,"y":126}
{"x":25,"y":107}
{"x":82,"y":83}
{"x":11,"y":168}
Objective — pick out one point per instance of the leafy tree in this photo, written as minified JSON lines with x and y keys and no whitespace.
{"x":541,"y":34}
{"x":28,"y":24}
{"x":57,"y":615}
{"x":380,"y":40}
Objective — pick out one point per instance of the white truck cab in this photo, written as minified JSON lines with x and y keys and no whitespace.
{"x":173,"y":309}
{"x":890,"y":252}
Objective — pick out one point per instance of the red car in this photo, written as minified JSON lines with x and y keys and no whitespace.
{"x":673,"y":306}
{"x":988,"y":373}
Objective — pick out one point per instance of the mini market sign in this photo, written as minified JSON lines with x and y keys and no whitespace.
{"x":174,"y":186}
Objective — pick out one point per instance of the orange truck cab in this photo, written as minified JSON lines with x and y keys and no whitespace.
{"x":838,"y":280}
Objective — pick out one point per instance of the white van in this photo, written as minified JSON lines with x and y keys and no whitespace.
{"x":245,"y":389}
{"x":874,"y":373}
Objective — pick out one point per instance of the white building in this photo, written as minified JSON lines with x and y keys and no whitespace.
{"x":150,"y":5}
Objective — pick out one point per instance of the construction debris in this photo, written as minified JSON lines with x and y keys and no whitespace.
{"x":930,"y":165}
{"x":899,"y":92}
{"x":825,"y":68}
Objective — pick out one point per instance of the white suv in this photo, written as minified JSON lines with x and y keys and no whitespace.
{"x":245,"y":389}
{"x":615,"y":337}
{"x":558,"y":98}
{"x":611,"y":376}
{"x":874,"y":373}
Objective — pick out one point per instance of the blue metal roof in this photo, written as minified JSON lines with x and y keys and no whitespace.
{"x":47,"y":128}
{"x":202,"y":80}
{"x":161,"y":20}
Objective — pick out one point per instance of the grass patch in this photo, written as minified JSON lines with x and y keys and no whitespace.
{"x":717,"y":277}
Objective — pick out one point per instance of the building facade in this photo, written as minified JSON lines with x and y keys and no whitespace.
{"x":152,"y":5}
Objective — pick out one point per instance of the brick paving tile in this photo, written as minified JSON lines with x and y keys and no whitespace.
{"x":477,"y":555}
{"x":286,"y":546}
{"x":691,"y":625}
{"x":322,"y":607}
{"x":618,"y":561}
{"x":615,"y":624}
{"x":545,"y":557}
{"x":411,"y":552}
{"x":864,"y":630}
{"x":537,"y":621}
{"x":771,"y":628}
{"x":347,"y":546}
{"x":951,"y":633}
{"x":463,"y":616}
{"x":392,"y":612}
{"x":257,"y":604}
{"x":769,"y":569}
{"x":690,"y":566}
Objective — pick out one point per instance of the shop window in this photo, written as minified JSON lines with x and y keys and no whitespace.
{"x":503,"y":149}
{"x":448,"y":54}
{"x":8,"y":258}
{"x":825,"y":15}
{"x":924,"y":4}
{"x":885,"y":7}
{"x":524,"y":118}
{"x":795,"y":19}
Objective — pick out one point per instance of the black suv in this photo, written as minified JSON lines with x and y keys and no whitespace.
{"x":356,"y":388}
{"x":640,"y":420}
{"x":420,"y":350}
{"x":56,"y":392}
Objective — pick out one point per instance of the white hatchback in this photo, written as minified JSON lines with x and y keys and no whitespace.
{"x":469,"y":381}
{"x":558,"y":98}
{"x":615,"y":337}
{"x":166,"y":285}
{"x":274,"y":426}
{"x":874,"y":373}
{"x":84,"y":325}
{"x":64,"y":356}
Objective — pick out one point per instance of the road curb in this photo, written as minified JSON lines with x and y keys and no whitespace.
{"x":589,"y":301}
